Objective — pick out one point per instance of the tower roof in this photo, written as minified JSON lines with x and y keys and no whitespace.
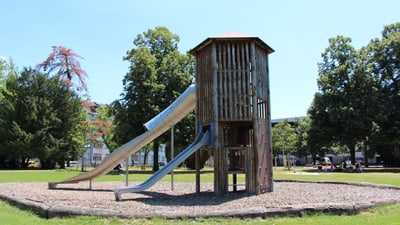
{"x":231,"y":36}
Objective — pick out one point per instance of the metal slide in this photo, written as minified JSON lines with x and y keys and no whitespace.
{"x":201,"y":140}
{"x":182,"y":106}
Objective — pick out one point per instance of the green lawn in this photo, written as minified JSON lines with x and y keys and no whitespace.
{"x":391,"y":177}
{"x":387,"y":214}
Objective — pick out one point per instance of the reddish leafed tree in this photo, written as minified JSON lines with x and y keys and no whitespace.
{"x":63,"y":63}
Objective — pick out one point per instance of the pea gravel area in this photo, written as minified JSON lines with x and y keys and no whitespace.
{"x":288,"y":198}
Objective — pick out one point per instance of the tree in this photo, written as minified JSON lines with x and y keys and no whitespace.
{"x":333,"y":110}
{"x":98,"y":128}
{"x":158,"y":74}
{"x":104,"y":127}
{"x":40,"y":117}
{"x":383,"y":63}
{"x":7,"y":69}
{"x":71,"y":119}
{"x":358,"y":99}
{"x":283,"y":139}
{"x":63,"y":63}
{"x":301,"y":128}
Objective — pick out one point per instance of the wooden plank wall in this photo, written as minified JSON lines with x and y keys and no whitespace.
{"x":262,"y":83}
{"x":263,"y":125}
{"x":226,"y":72}
{"x":262,"y":74}
{"x":233,"y":80}
{"x":264,"y":165}
{"x":204,"y":82}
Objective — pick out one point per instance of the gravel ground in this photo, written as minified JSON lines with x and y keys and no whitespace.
{"x":287,"y":198}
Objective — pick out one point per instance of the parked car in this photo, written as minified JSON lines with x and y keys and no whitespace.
{"x":33,"y":164}
{"x":72,"y":163}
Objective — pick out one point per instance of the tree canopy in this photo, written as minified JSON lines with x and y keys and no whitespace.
{"x":7,"y":69}
{"x":383,"y":62}
{"x":358,"y":96}
{"x":39,"y":117}
{"x":158,"y":73}
{"x":283,"y":138}
{"x":64,"y":64}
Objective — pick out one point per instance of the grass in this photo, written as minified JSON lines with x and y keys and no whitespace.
{"x":12,"y":176}
{"x":390,"y":177}
{"x":181,"y":175}
{"x":386,"y":214}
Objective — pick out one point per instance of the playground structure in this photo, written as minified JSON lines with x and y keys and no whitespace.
{"x":232,"y":103}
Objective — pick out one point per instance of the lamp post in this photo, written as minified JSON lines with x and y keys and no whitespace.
{"x":87,"y":147}
{"x":294,"y":164}
{"x":172,"y":156}
{"x":297,"y":148}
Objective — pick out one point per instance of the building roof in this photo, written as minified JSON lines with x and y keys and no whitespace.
{"x":231,"y":36}
{"x":290,"y":120}
{"x":91,"y":107}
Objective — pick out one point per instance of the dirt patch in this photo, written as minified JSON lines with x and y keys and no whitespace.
{"x":289,"y":197}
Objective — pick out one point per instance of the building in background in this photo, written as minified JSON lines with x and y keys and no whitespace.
{"x":96,"y":151}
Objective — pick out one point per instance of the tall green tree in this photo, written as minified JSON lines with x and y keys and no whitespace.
{"x":158,"y":73}
{"x":40,"y":117}
{"x":358,"y":97}
{"x":7,"y":69}
{"x":301,"y":128}
{"x":383,"y":62}
{"x":284,"y":139}
{"x":332,"y":109}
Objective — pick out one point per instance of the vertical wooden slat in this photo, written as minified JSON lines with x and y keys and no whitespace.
{"x":244,"y":85}
{"x":225,"y":105}
{"x":199,"y":85}
{"x":229,"y":79}
{"x":226,"y":80}
{"x":242,"y":80}
{"x":218,"y":59}
{"x":238,"y":81}
{"x":215,"y":90}
{"x":254,"y":116}
{"x":201,"y":78}
{"x":269,"y":172}
{"x":248,"y":75}
{"x":212,"y":98}
{"x":233,"y":83}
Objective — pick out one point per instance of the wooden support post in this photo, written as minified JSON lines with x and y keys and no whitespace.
{"x":234,"y":182}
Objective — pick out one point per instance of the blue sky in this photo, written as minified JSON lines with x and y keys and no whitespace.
{"x":102,"y":31}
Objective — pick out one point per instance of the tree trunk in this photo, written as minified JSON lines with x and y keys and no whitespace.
{"x":156,"y":145}
{"x":353,"y":154}
{"x":62,"y":163}
{"x":146,"y":153}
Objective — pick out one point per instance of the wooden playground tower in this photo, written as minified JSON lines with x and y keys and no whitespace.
{"x":233,"y":103}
